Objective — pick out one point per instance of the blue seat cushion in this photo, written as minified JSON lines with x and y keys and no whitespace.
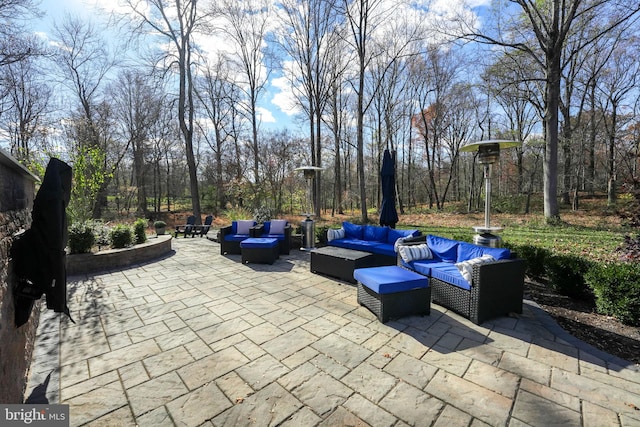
{"x":235,"y":237}
{"x":424,"y":266}
{"x":467,"y":251}
{"x":259,"y":242}
{"x":389,"y":279}
{"x":272,"y":236}
{"x":449,"y":273}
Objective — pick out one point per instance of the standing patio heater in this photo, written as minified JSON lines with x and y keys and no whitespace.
{"x":488,"y":154}
{"x":308,"y":226}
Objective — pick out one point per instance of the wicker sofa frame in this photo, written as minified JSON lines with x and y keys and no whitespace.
{"x":497,"y":289}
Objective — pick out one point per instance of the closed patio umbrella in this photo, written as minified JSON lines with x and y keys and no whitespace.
{"x":388,"y":213}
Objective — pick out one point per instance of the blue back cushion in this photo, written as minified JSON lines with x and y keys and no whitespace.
{"x":468,"y":251}
{"x":374,"y":233}
{"x":394,"y":234}
{"x":443,"y":248}
{"x":352,"y":231}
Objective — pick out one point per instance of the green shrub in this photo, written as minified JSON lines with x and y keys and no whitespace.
{"x":101,"y":231}
{"x":81,"y":238}
{"x":121,"y":236}
{"x":616,"y":287}
{"x":159,"y":224}
{"x":535,"y":257}
{"x":321,"y":234}
{"x":139,"y":229}
{"x":566,"y":275}
{"x":262,"y":214}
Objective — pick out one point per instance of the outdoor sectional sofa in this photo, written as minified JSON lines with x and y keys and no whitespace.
{"x":379,"y":241}
{"x":494,"y":283}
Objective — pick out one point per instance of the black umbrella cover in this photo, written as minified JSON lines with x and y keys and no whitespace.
{"x":39,"y":253}
{"x":388,"y":213}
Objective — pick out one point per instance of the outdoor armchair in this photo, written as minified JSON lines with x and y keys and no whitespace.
{"x":186,"y":228}
{"x":231,"y":236}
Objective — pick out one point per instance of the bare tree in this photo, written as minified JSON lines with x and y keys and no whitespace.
{"x":177,"y":21}
{"x":619,"y":79}
{"x":28,"y":98}
{"x":365,"y":20}
{"x":16,"y":41}
{"x":310,"y":40}
{"x":249,"y":22}
{"x":219,"y":97}
{"x":547,"y":27}
{"x":136,"y":107}
{"x":83,"y":62}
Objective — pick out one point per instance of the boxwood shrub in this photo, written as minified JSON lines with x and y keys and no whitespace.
{"x":566,"y":275}
{"x":535,"y":257}
{"x":81,"y":238}
{"x":616,"y":287}
{"x":121,"y":236}
{"x":139,"y":229}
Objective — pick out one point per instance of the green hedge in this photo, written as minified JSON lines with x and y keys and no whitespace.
{"x":566,"y":275}
{"x":617,"y":290}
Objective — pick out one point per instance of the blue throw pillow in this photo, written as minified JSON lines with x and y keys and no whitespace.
{"x":352,"y":231}
{"x":443,"y":248}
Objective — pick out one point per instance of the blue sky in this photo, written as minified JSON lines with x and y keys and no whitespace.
{"x":273,"y":117}
{"x":276,"y":97}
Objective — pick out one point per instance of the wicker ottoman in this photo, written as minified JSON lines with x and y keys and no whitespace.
{"x":261,"y":250}
{"x":393,"y":292}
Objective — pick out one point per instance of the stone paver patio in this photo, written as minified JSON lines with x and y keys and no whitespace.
{"x":201,"y":339}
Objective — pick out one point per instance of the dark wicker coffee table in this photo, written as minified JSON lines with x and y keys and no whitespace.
{"x":339,"y":262}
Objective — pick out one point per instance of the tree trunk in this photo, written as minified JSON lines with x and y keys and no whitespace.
{"x":550,"y":165}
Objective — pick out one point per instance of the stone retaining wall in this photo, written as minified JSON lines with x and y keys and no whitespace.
{"x":17,"y":189}
{"x":155,"y":247}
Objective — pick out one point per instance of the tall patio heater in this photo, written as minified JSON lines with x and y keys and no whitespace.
{"x":488,"y":154}
{"x":308,"y":226}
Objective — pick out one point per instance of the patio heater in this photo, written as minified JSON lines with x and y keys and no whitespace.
{"x":308,"y":226}
{"x":488,"y":154}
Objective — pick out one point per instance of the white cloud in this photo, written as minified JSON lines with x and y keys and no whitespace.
{"x":265,"y":116}
{"x":284,"y":98}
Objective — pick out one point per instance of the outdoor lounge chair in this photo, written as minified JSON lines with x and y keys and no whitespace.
{"x":201,"y":230}
{"x":186,"y":228}
{"x":231,"y":236}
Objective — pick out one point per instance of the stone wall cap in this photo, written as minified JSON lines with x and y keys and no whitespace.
{"x":11,"y":162}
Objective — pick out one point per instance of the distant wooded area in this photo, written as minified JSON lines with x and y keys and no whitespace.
{"x":167,"y":102}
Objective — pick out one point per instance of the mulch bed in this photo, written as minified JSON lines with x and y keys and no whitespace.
{"x":580,"y":320}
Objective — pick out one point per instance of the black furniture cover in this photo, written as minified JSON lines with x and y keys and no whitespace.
{"x":39,"y":253}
